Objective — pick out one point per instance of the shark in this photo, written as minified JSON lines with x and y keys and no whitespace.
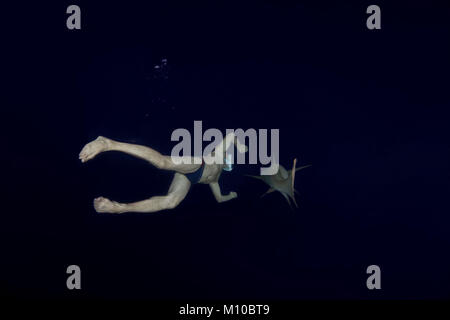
{"x":282,"y":181}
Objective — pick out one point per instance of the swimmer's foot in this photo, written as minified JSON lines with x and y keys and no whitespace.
{"x":93,"y":148}
{"x":105,"y":205}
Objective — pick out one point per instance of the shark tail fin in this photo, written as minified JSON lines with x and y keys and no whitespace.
{"x":295,"y":202}
{"x":288,"y":200}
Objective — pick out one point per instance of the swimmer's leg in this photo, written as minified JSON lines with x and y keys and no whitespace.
{"x":177,"y":192}
{"x":102,"y":144}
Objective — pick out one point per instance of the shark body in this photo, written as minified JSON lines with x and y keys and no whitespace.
{"x":282,"y":181}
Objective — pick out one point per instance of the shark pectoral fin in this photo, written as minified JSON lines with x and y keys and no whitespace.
{"x":256,"y":177}
{"x":303,"y":167}
{"x":268,"y":191}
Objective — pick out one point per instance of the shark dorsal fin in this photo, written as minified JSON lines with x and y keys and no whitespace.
{"x":293,"y":175}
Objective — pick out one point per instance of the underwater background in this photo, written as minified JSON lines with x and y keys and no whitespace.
{"x":367,"y":108}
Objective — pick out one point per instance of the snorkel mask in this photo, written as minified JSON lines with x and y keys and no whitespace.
{"x":228,"y":166}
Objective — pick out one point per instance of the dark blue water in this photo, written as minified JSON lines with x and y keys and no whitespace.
{"x":368,"y":109}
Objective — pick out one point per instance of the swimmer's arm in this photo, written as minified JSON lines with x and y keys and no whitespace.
{"x":215,"y":188}
{"x":228,"y":140}
{"x":242,"y":148}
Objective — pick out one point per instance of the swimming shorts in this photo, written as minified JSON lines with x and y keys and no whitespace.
{"x":194,"y":177}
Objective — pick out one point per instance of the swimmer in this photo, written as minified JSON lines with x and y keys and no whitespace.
{"x":186,"y":174}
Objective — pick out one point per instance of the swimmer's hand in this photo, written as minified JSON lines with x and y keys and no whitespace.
{"x":218,"y":195}
{"x":232,"y":195}
{"x":242,"y":148}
